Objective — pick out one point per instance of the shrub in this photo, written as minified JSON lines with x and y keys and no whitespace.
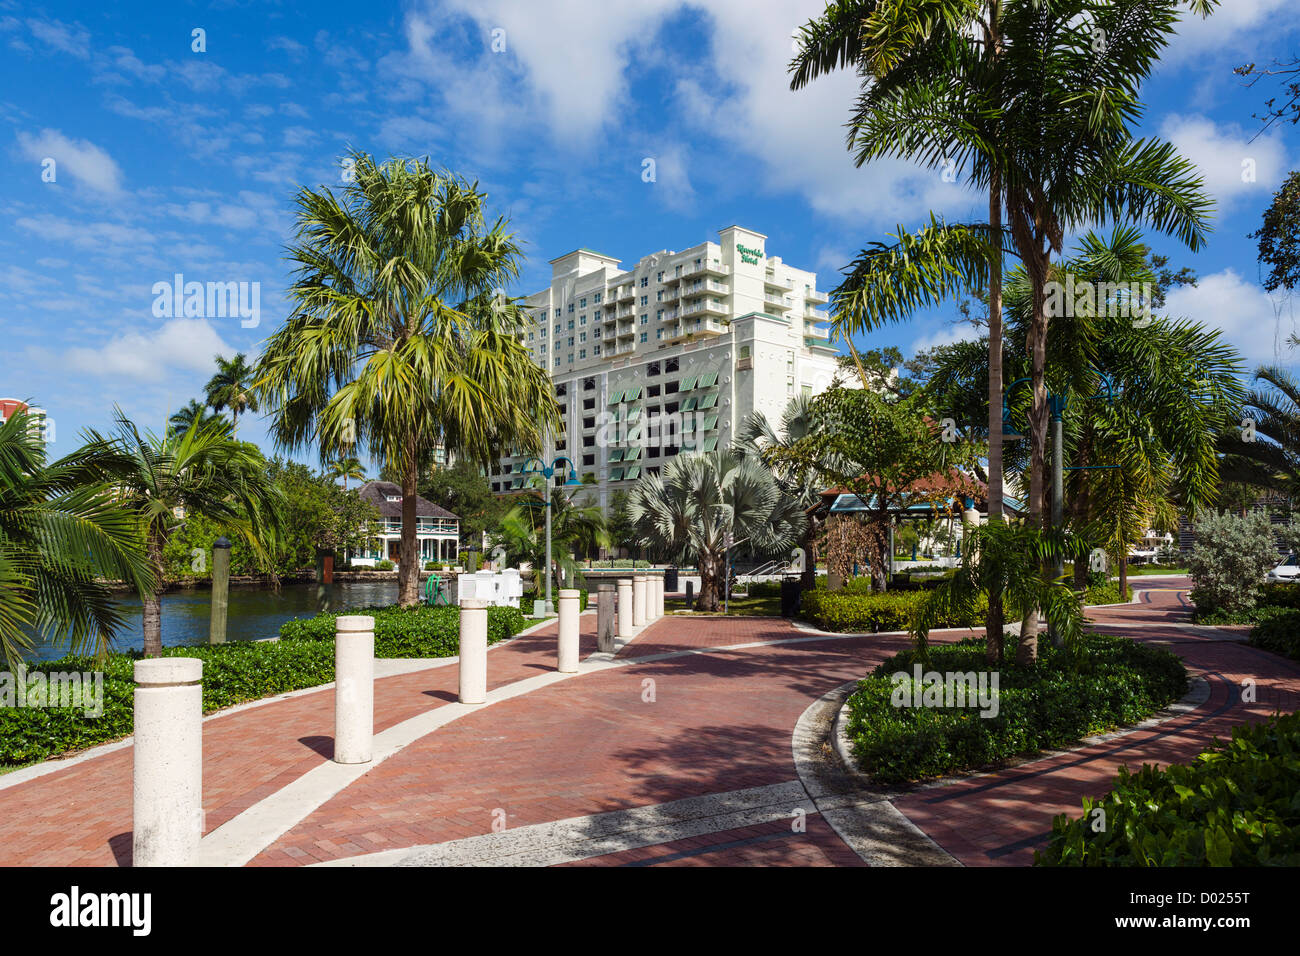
{"x":1235,"y":805}
{"x":384,"y":565}
{"x":415,"y":631}
{"x":887,"y":611}
{"x":1054,"y":703}
{"x":765,"y":589}
{"x":1278,"y":630}
{"x":530,"y":596}
{"x":1107,"y":593}
{"x":1229,"y":561}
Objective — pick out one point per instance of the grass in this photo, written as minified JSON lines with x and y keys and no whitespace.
{"x":739,"y":606}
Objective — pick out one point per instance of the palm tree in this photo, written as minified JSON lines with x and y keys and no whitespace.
{"x":200,"y":471}
{"x":345,"y":468}
{"x":398,"y":340}
{"x":700,"y":501}
{"x":798,"y":479}
{"x":1046,"y":121}
{"x":184,"y":417}
{"x":64,"y":538}
{"x":574,"y":531}
{"x":1264,"y":451}
{"x":232,"y":387}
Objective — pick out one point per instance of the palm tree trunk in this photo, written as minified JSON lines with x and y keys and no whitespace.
{"x":994,"y":624}
{"x":709,"y":599}
{"x":1038,"y":415}
{"x":152,"y":601}
{"x":1123,"y":578}
{"x":408,"y":572}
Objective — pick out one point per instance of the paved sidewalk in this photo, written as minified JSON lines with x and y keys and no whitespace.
{"x":677,"y":752}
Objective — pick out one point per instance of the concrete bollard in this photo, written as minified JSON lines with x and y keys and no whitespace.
{"x":569,"y":608}
{"x":649,"y":598}
{"x":167,"y":786}
{"x":638,"y":600}
{"x":625,"y":608}
{"x":659,"y":596}
{"x":354,"y":688}
{"x":473,"y":650}
{"x":605,"y":618}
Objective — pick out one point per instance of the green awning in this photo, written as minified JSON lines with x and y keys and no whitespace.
{"x":710,"y":423}
{"x":633,"y":453}
{"x":632,"y":394}
{"x":688,"y":424}
{"x":708,"y":401}
{"x":633,"y":414}
{"x":689,"y":405}
{"x":615,"y":398}
{"x":709,"y":380}
{"x":633,"y":472}
{"x":616,"y":474}
{"x":634,"y":434}
{"x":518,"y":482}
{"x":618,"y":414}
{"x":687,"y":384}
{"x":710,"y":444}
{"x":616,"y":454}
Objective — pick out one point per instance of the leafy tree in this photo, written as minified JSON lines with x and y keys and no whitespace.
{"x":622,"y":530}
{"x":890,"y":454}
{"x":201,"y":471}
{"x":575,"y":530}
{"x":232,"y":387}
{"x":689,"y":509}
{"x":462,"y":490}
{"x":1279,"y":237}
{"x":399,"y":341}
{"x":64,"y":537}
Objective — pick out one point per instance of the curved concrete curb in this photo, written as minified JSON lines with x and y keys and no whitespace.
{"x":864,"y":818}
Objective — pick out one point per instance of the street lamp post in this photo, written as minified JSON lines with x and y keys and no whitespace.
{"x":548,"y":473}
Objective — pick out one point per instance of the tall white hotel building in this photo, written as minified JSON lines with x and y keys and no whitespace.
{"x":671,"y":355}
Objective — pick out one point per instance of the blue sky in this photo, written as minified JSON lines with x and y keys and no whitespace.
{"x":168,"y":160}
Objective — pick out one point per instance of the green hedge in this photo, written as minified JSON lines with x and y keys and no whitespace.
{"x":1049,"y":705}
{"x":529,"y":597}
{"x":888,"y":611}
{"x":1236,"y":805}
{"x":232,"y":674}
{"x":416,"y":631}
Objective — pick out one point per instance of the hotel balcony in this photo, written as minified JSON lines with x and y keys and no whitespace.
{"x":706,"y":268}
{"x":673,"y":278}
{"x":772,"y":282}
{"x":626,"y":292}
{"x":670,"y":295}
{"x":815,"y":296}
{"x":705,"y":307}
{"x":815,"y":315}
{"x":670,"y":314}
{"x":811,"y":331}
{"x":778,"y":303}
{"x":624,"y":312}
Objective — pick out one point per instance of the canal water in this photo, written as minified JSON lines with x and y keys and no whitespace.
{"x":255,"y":612}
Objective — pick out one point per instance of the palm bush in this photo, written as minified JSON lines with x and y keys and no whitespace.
{"x":689,"y":510}
{"x":64,"y":536}
{"x":1228,"y":563}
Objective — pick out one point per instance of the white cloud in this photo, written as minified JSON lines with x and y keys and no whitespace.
{"x":1254,"y":323}
{"x":946,"y":334}
{"x":150,"y":356}
{"x":85,"y":161}
{"x":1233,"y":26}
{"x":1232,"y":165}
{"x":72,"y":39}
{"x":89,"y":235}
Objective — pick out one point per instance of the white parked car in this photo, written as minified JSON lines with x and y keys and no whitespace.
{"x":1288,"y":571}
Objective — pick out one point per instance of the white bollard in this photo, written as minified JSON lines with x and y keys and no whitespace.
{"x":569,"y":610}
{"x":650,"y":603}
{"x":473,"y":650}
{"x":354,"y":688}
{"x":167,"y":797}
{"x":659,"y":596}
{"x":625,"y":608}
{"x":638,"y":600}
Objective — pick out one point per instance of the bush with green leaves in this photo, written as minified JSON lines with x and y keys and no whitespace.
{"x":415,"y":631}
{"x":1235,"y":805}
{"x":1228,"y":563}
{"x":1277,"y":629}
{"x":1107,"y":682}
{"x":384,"y":565}
{"x":847,"y":610}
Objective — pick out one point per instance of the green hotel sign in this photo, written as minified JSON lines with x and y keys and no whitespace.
{"x":749,"y":255}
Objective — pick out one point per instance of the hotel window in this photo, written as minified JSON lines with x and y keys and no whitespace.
{"x":557,"y":361}
{"x":582,"y":319}
{"x":645,"y":317}
{"x":659,"y":315}
{"x":588,"y":459}
{"x":595,"y":333}
{"x":570,"y":324}
{"x":531,"y":336}
{"x":643,"y":336}
{"x":557,"y":313}
{"x":558,"y":328}
{"x":671,"y":365}
{"x":659,"y":296}
{"x":645,"y":281}
{"x":582,"y":303}
{"x":652,"y":369}
{"x":570,"y":308}
{"x":596,"y":298}
{"x":807,"y":391}
{"x":588,"y":384}
{"x":744,"y":351}
{"x":570,"y":358}
{"x":652,"y":391}
{"x":660,"y":276}
{"x":582,"y":353}
{"x":659,"y":333}
{"x":596,"y":350}
{"x":645,"y":299}
{"x":570,"y":341}
{"x":582,"y":336}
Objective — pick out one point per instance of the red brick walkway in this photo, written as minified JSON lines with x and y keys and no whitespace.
{"x":652,"y":731}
